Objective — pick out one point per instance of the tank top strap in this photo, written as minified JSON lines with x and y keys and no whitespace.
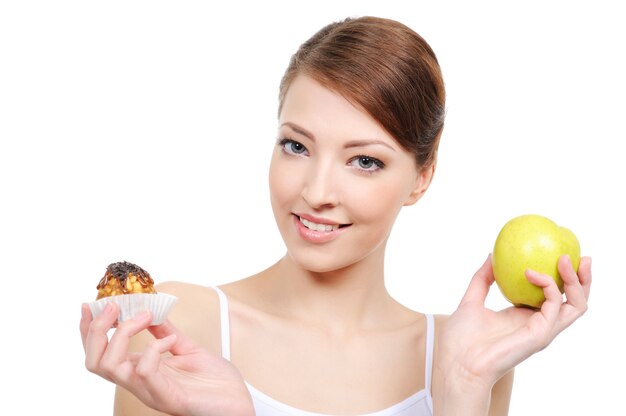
{"x":224,"y":322}
{"x":430,"y":344}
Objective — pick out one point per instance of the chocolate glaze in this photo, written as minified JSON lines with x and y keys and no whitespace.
{"x":121,"y":270}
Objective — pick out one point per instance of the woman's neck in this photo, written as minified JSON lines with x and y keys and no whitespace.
{"x":341,"y":301}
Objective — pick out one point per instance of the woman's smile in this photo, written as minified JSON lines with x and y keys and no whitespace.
{"x":318,"y":231}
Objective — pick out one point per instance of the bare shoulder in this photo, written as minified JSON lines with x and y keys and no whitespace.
{"x":440,"y":324}
{"x":196,"y":312}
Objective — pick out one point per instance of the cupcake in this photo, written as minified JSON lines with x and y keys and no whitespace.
{"x":132,"y":288}
{"x":123,"y":278}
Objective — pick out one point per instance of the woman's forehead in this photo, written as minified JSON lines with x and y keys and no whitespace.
{"x":319,"y":110}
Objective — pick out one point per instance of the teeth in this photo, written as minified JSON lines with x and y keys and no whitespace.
{"x":318,"y":227}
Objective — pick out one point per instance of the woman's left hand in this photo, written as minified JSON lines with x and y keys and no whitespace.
{"x":479,"y":345}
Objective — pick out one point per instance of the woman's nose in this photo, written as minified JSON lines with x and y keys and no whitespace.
{"x":320,"y":187}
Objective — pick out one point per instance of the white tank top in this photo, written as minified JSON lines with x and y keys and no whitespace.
{"x":418,"y":404}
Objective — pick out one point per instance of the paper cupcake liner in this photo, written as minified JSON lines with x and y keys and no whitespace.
{"x":133,"y":304}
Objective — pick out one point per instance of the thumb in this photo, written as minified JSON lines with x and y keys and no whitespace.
{"x":481,"y":282}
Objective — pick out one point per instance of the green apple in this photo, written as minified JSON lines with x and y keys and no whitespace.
{"x":531,"y":242}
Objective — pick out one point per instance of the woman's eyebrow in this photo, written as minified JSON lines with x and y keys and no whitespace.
{"x":350,"y":144}
{"x":367,"y":142}
{"x":299,"y":130}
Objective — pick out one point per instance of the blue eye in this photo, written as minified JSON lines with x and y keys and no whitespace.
{"x":293,"y":147}
{"x":366,"y":163}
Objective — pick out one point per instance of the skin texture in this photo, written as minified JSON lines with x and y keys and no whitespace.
{"x":326,"y":299}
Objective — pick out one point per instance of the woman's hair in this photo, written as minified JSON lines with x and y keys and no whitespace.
{"x":385,"y":68}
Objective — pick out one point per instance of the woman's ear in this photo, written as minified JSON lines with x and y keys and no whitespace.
{"x":422,"y":182}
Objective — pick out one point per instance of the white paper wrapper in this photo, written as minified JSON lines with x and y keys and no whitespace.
{"x":133,"y":304}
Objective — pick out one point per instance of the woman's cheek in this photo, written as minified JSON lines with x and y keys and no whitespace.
{"x":373,"y":201}
{"x":283,"y":181}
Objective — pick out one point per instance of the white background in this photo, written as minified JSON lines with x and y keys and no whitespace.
{"x":141,"y":131}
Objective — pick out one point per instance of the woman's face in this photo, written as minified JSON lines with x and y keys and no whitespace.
{"x":337,"y":179}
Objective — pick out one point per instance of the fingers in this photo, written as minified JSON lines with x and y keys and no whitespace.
{"x":560,"y":315}
{"x":576,"y":287}
{"x":148,"y":364}
{"x":480,"y":284}
{"x":156,"y":385}
{"x":95,"y":337}
{"x":114,"y":362}
{"x":85,"y":321}
{"x":140,"y":373}
{"x":584,"y":275}
{"x":163,"y":330}
{"x":110,"y":358}
{"x":183,"y":344}
{"x":571,"y":283}
{"x":551,"y":306}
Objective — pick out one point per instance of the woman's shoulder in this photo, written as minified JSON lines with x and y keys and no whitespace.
{"x":440,"y":319}
{"x":440,"y":323}
{"x":183,"y":289}
{"x":193,"y":300}
{"x":196,"y":312}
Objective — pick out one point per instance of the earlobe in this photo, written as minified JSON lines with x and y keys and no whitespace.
{"x":422,"y":182}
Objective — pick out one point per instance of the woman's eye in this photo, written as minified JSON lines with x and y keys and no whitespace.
{"x":367,"y":163}
{"x":293,"y":147}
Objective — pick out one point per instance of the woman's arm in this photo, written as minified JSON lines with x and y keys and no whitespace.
{"x":501,"y":395}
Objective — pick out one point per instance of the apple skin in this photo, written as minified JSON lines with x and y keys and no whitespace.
{"x":531,"y":242}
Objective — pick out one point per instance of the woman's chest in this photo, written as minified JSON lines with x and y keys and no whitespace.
{"x":311,"y":369}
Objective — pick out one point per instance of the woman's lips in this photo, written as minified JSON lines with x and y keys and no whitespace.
{"x":316,"y":230}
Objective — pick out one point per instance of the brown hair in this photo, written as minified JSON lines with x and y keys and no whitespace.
{"x":385,"y":68}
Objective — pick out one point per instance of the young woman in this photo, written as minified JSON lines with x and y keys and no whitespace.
{"x":361,"y":111}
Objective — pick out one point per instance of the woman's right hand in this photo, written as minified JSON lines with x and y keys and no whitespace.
{"x":187,"y":381}
{"x":479,"y":346}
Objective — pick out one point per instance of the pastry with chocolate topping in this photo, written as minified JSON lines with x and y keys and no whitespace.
{"x":124,"y":278}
